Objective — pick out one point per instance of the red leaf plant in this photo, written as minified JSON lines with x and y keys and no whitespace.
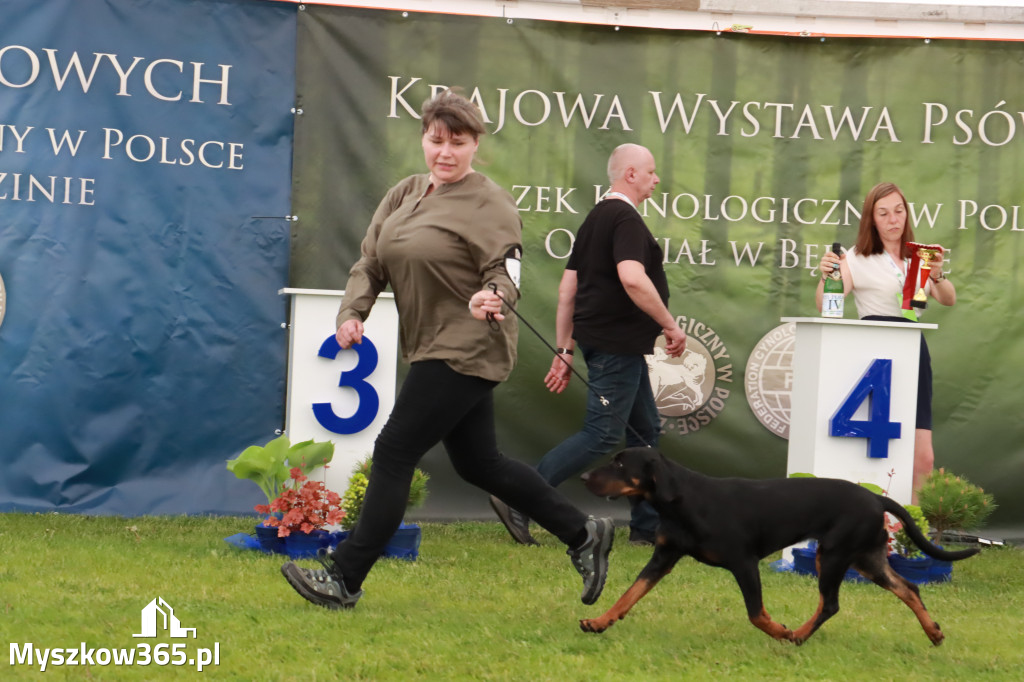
{"x":302,"y":508}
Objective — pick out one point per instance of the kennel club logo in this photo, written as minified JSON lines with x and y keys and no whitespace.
{"x":691,"y":390}
{"x":769,"y":378}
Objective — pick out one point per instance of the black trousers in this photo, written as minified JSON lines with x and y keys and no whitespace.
{"x":437,"y":404}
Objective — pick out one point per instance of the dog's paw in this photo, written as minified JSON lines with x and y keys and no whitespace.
{"x":592,"y":625}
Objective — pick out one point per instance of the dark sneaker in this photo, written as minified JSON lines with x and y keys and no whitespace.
{"x":641,"y":538}
{"x":323,"y":587}
{"x":591,"y":558}
{"x":517,"y":524}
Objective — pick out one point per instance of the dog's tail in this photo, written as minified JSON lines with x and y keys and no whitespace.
{"x":926,"y":546}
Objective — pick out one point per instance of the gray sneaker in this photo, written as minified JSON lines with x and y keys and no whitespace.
{"x":323,"y":587}
{"x":591,"y":558}
{"x":517,"y":524}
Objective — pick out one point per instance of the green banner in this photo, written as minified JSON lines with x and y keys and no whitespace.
{"x":765,"y":146}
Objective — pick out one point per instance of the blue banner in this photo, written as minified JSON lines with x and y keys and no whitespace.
{"x":145,"y":169}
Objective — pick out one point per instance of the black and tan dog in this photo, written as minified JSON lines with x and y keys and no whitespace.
{"x":733,"y":523}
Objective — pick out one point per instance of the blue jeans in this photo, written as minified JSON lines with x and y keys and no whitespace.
{"x":624,"y":382}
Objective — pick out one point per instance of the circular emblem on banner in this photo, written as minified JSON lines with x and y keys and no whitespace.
{"x":3,"y":300}
{"x":769,"y":378}
{"x":691,"y":390}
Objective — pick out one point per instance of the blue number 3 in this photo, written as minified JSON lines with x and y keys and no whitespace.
{"x":355,"y":378}
{"x":875,"y":384}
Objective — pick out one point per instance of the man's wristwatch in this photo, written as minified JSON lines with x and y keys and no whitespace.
{"x":564,"y":351}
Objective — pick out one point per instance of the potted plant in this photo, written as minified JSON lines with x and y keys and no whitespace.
{"x":269,"y":466}
{"x":904,"y":555}
{"x":902,"y":545}
{"x":304,"y":508}
{"x":952,"y":503}
{"x":406,"y":541}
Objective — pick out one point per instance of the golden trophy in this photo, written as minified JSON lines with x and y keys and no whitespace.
{"x":921,"y":259}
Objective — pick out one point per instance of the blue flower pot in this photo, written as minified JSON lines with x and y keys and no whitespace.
{"x":268,"y":540}
{"x":305,"y":545}
{"x":337,"y":537}
{"x":405,"y":543}
{"x":803,"y":563}
{"x":940,"y":571}
{"x":914,"y":570}
{"x":803,"y":560}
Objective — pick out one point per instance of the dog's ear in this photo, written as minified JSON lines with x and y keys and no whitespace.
{"x":665,"y":485}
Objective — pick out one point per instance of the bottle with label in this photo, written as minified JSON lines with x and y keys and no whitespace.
{"x":832,"y":298}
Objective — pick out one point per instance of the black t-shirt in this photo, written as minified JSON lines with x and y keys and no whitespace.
{"x":605,"y":317}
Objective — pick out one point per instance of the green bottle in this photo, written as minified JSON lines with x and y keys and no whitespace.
{"x":832,"y":298}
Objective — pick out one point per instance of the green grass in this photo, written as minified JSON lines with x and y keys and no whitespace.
{"x":473,"y":607}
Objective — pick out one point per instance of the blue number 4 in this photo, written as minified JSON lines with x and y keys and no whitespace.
{"x":875,"y":384}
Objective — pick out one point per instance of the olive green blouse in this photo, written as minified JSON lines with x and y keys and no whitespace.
{"x":436,"y":251}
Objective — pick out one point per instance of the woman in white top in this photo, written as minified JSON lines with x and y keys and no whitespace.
{"x":875,"y":270}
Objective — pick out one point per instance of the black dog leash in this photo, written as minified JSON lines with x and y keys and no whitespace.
{"x":604,"y":401}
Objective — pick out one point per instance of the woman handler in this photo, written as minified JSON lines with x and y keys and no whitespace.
{"x":442,"y":240}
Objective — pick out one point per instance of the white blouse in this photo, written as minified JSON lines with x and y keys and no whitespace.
{"x":878,"y":283}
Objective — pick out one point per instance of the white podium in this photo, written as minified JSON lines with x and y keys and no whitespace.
{"x":344,"y":396}
{"x":854,"y":401}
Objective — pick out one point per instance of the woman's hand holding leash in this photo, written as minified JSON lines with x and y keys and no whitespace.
{"x":486,"y":305}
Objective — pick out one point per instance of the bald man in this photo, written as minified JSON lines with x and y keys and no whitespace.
{"x":612,"y":306}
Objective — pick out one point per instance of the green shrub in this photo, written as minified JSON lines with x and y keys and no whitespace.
{"x":951,"y":502}
{"x":905,"y":547}
{"x":352,"y":500}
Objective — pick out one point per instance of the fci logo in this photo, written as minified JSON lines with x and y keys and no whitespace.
{"x":158,"y":615}
{"x":768,"y":378}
